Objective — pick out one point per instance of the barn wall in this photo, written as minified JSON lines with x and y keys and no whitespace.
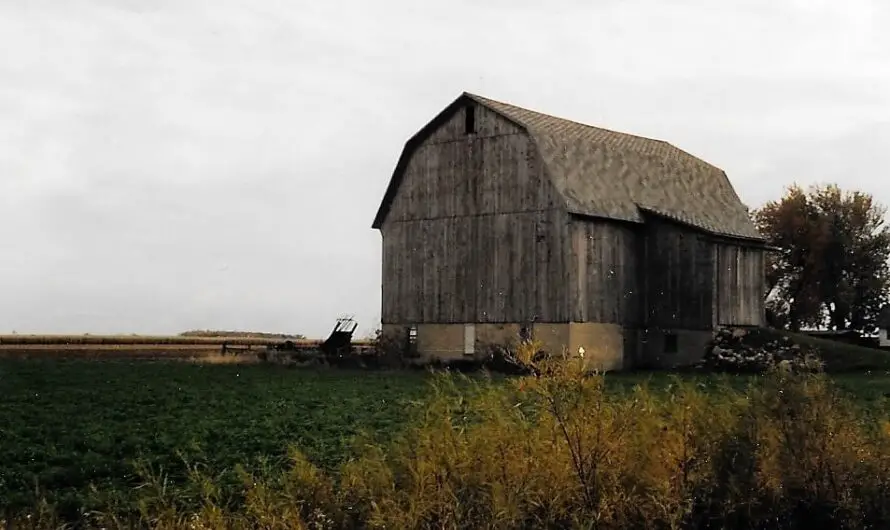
{"x":678,"y":277}
{"x":740,"y":285}
{"x":505,"y":268}
{"x":603,"y":272}
{"x":475,"y":232}
{"x":488,"y":124}
{"x":492,"y":172}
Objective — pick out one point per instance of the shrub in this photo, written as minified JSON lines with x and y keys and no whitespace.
{"x":391,"y":351}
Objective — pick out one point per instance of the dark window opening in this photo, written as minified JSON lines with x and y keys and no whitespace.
{"x":469,"y":119}
{"x":411,"y":340}
{"x":670,"y":343}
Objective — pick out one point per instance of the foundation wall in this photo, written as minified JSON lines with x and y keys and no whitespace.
{"x":603,"y":344}
{"x":655,"y":350}
{"x":606,"y":347}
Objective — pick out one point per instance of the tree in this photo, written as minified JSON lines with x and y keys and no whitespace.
{"x":832,"y":264}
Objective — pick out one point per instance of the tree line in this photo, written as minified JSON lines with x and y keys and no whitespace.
{"x":829,"y":268}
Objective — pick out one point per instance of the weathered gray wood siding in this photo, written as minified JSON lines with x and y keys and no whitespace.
{"x":740,"y":285}
{"x":678,"y":276}
{"x":603,"y":269}
{"x":475,"y":232}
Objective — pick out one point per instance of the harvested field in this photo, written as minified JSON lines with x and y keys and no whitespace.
{"x":137,"y":347}
{"x":122,"y":352}
{"x":71,"y":340}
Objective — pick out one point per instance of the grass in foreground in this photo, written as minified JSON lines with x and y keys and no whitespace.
{"x":68,"y":425}
{"x":476,"y":454}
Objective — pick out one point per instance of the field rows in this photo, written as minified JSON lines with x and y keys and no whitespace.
{"x":210,"y":352}
{"x":68,"y":425}
{"x":97,"y":340}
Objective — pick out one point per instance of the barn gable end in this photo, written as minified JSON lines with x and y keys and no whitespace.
{"x":449,"y":173}
{"x":472,"y":227}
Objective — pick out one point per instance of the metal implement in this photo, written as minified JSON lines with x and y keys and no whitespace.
{"x":340,"y":340}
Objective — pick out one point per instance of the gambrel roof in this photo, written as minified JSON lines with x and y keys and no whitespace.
{"x":613,"y":175}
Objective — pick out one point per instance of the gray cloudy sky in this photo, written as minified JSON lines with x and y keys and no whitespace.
{"x":177,"y":164}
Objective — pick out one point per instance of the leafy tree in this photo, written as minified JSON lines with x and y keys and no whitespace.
{"x":832,"y":266}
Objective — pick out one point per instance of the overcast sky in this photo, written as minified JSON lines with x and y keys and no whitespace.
{"x":170,"y":165}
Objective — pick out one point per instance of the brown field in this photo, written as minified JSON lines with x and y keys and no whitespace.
{"x":146,"y":351}
{"x":69,"y":340}
{"x":140,"y":347}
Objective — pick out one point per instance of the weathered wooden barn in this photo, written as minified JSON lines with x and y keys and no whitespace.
{"x":500,"y":222}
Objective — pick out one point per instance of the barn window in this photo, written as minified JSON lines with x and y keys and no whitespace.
{"x":411,"y":340}
{"x":470,"y":120}
{"x":670,"y":343}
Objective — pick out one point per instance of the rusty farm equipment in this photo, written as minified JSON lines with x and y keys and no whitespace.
{"x":338,"y":345}
{"x":339,"y":342}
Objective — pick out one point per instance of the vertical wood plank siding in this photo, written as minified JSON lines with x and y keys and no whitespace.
{"x":603,"y":284}
{"x":475,"y":233}
{"x":679,"y":268}
{"x":740,"y":285}
{"x":480,"y":277}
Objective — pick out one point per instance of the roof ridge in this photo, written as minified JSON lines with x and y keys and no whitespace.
{"x":484,"y":99}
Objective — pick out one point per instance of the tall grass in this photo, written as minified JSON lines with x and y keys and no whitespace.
{"x":557,"y":451}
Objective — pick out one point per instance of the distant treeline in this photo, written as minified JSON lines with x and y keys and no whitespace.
{"x":208,"y":333}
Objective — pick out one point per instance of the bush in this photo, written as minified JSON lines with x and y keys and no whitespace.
{"x":391,"y":352}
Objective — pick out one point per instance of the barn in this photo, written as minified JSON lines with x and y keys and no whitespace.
{"x":501,"y":223}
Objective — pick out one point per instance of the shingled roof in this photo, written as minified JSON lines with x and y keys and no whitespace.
{"x":609,"y":174}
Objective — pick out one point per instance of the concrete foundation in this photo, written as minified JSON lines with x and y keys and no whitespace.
{"x":607,"y":347}
{"x":658,"y":350}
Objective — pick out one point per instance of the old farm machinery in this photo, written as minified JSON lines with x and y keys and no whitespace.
{"x":338,"y":345}
{"x":339,"y":342}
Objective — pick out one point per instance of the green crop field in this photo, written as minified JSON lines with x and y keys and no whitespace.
{"x":75,"y":432}
{"x":67,"y":425}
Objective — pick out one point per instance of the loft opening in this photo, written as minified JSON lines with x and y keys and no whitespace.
{"x":470,"y":119}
